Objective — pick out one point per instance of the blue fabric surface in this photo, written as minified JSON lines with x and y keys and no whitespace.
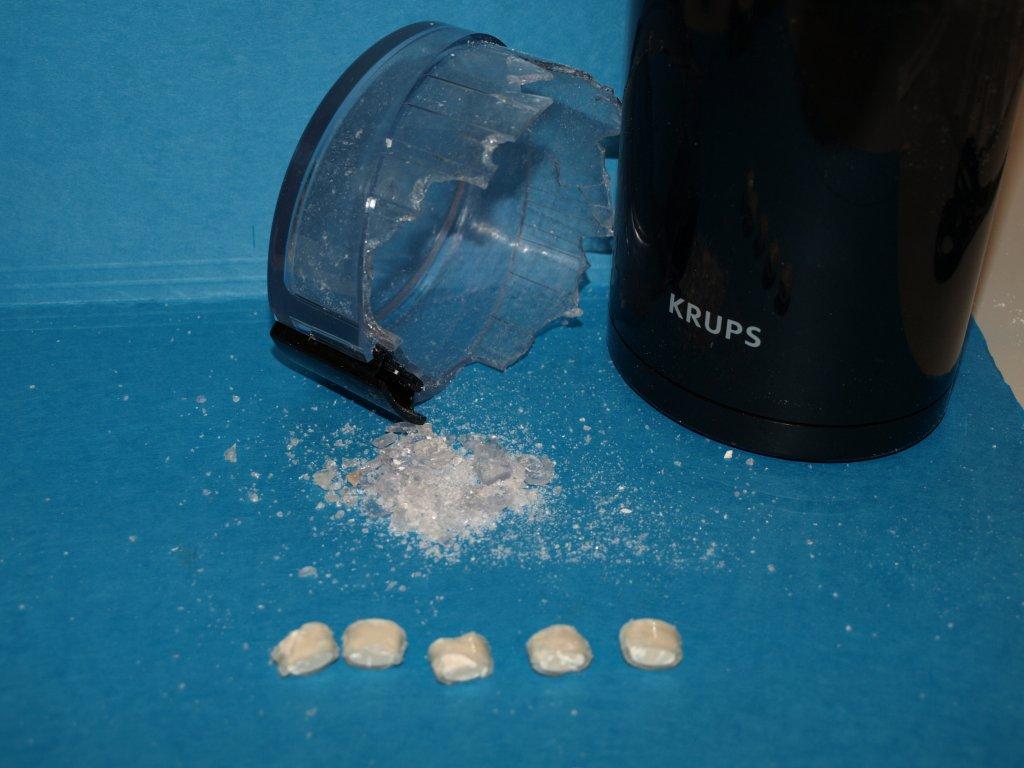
{"x":145,"y":143}
{"x":850,"y":614}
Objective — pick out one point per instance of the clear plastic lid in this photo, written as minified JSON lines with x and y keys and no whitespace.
{"x":437,"y":209}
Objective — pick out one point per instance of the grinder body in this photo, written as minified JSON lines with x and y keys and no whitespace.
{"x":803,"y":205}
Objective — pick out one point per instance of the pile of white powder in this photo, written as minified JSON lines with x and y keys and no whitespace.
{"x":443,"y":489}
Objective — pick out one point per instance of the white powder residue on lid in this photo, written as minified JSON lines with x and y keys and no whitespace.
{"x":445,"y":490}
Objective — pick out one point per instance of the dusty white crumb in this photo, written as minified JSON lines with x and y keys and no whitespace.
{"x":231,"y":454}
{"x":373,"y":644}
{"x":201,"y":399}
{"x":727,"y":455}
{"x":325,"y":477}
{"x":305,"y":650}
{"x":650,"y":644}
{"x":460,"y":659}
{"x":558,"y":650}
{"x":308,"y":572}
{"x":235,"y":399}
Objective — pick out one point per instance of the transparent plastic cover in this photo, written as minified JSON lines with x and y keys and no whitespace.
{"x":444,"y":214}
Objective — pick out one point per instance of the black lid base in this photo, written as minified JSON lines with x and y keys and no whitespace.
{"x":750,"y":432}
{"x":380,"y":383}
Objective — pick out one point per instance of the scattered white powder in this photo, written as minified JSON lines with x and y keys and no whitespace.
{"x":231,"y":454}
{"x":580,"y":523}
{"x":446,"y":490}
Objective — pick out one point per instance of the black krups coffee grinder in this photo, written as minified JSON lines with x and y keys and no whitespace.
{"x":803,"y":200}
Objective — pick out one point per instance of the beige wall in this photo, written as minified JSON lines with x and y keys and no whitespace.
{"x":999,"y":306}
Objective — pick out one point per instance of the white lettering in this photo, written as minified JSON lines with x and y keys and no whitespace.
{"x":713,"y":322}
{"x":693,"y":314}
{"x":674,"y":304}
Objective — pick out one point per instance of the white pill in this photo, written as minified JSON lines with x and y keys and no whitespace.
{"x":305,"y":650}
{"x":558,"y":650}
{"x":651,"y":644}
{"x":373,"y":644}
{"x":460,"y":659}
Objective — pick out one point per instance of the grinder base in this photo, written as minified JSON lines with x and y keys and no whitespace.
{"x":758,"y":434}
